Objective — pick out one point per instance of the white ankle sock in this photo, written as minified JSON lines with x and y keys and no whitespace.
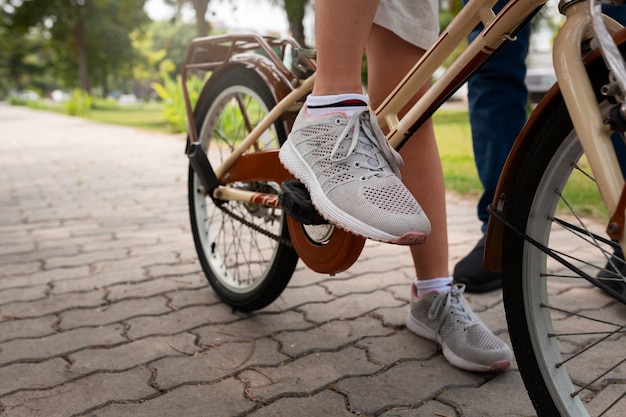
{"x":435,"y":284}
{"x":346,"y":103}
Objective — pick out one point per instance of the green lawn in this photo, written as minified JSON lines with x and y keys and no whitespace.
{"x":142,"y":115}
{"x":455,"y":148}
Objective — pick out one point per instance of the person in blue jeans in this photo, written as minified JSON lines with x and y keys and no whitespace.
{"x":499,"y":86}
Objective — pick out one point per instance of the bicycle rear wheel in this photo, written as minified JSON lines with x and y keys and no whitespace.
{"x":568,"y":335}
{"x":241,"y":246}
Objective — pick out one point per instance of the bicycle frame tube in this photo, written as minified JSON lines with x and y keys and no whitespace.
{"x":497,"y":30}
{"x":580,"y":99}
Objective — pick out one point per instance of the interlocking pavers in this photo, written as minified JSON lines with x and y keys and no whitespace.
{"x":331,"y":335}
{"x":32,"y":376}
{"x":52,"y":304}
{"x":326,"y":403}
{"x":223,"y":399}
{"x":131,"y":354}
{"x":307,"y":374}
{"x":13,"y":328}
{"x":60,"y":343}
{"x":104,"y":309}
{"x":216,"y":363}
{"x":75,"y":397}
{"x":252,"y":327}
{"x":403,"y":384}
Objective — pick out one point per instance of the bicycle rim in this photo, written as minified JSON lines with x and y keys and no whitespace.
{"x":566,"y":332}
{"x":243,"y":260}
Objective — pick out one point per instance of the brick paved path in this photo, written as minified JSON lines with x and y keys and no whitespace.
{"x":104,"y":310}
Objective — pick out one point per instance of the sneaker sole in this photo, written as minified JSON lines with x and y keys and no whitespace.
{"x":291,"y":160}
{"x":427,"y":333}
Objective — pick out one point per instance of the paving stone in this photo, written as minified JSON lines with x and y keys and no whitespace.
{"x":330,"y":336}
{"x":132,"y":353}
{"x":81,"y":395}
{"x":84,"y":258}
{"x":250,"y":328}
{"x":430,"y":408}
{"x":222,"y":399}
{"x":294,"y":297}
{"x":216,"y":363}
{"x":350,"y":306}
{"x":394,"y":317}
{"x":23,"y":294}
{"x":26,"y":328}
{"x":326,"y":403}
{"x":60,"y":343}
{"x":52,"y":304}
{"x":12,"y":269}
{"x":113,"y":312}
{"x":308,"y":374}
{"x":398,"y":346}
{"x":177,"y":270}
{"x":367,"y":282}
{"x":30,"y":376}
{"x":404,"y":385}
{"x":181,"y":298}
{"x":44,"y":277}
{"x":152,"y":286}
{"x":480,"y":402}
{"x":180,"y":321}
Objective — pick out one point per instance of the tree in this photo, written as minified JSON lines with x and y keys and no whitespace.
{"x":200,"y":7}
{"x":93,"y":33}
{"x":295,"y":10}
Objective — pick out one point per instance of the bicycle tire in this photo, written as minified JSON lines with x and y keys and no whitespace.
{"x":245,"y":267}
{"x":549,"y":322}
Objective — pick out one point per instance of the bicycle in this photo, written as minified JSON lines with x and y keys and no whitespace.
{"x":248,"y":246}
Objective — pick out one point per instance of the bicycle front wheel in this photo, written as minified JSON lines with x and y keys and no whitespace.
{"x":567,"y":334}
{"x":242,"y":246}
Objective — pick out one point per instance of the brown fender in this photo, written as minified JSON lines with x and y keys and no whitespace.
{"x":275,"y":79}
{"x":513,"y":165}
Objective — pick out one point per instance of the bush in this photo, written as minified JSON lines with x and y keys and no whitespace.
{"x":79,"y":103}
{"x":171,"y":92}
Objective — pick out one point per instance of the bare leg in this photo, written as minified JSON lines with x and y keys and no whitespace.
{"x":341,"y":31}
{"x":348,"y":179}
{"x":389,"y":59}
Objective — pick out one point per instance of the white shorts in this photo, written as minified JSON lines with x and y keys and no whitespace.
{"x":417,"y":22}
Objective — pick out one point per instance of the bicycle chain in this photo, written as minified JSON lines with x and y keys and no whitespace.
{"x":281,"y":240}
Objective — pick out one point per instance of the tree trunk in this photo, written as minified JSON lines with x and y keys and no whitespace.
{"x":295,"y":15}
{"x":81,"y":53}
{"x":201,"y":7}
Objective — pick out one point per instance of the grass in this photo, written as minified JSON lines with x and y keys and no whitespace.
{"x":454,"y":139}
{"x":147,"y":116}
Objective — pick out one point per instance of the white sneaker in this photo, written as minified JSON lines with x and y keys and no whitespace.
{"x":465,"y":341}
{"x":353,"y":178}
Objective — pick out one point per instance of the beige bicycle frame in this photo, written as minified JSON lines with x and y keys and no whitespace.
{"x":568,"y":64}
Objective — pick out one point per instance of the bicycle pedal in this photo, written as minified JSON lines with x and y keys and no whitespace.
{"x":296,"y":202}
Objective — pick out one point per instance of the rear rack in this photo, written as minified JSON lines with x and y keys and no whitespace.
{"x":208,"y":53}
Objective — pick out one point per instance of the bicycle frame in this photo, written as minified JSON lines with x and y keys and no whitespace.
{"x":288,"y":90}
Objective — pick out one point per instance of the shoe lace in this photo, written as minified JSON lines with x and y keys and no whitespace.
{"x":451,"y":304}
{"x":366,"y":132}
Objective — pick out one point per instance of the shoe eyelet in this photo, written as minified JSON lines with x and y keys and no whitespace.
{"x":357,"y":164}
{"x":363,"y":178}
{"x":338,"y":122}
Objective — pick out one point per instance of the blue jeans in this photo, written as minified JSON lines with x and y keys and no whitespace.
{"x":498,"y":97}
